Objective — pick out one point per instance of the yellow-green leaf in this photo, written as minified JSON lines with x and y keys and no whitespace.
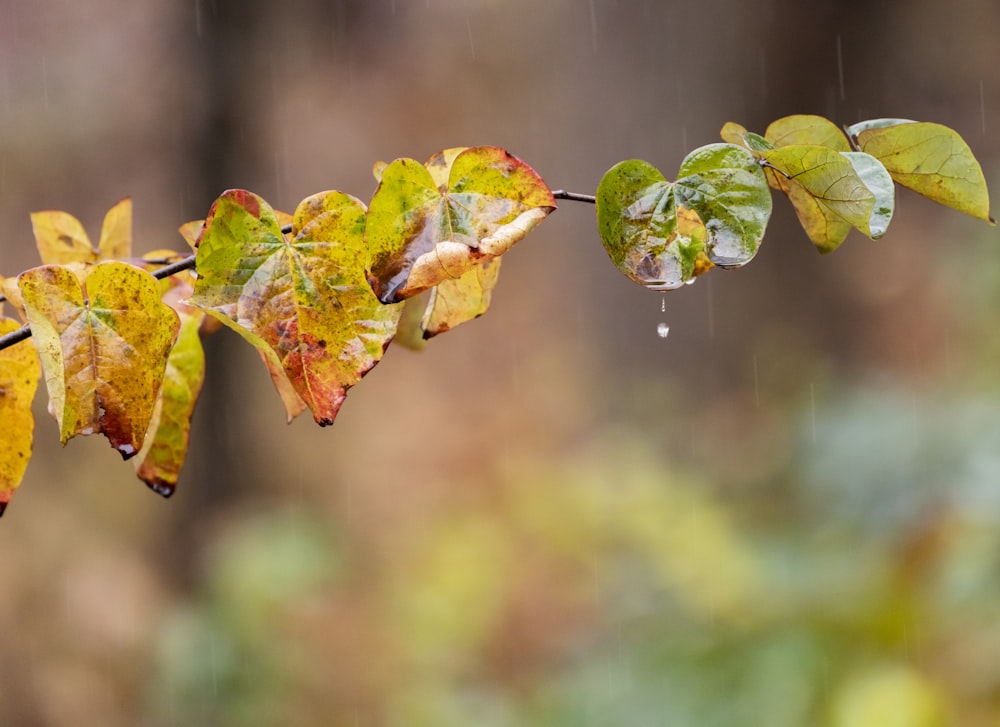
{"x":807,"y":129}
{"x":19,"y":372}
{"x":930,"y":159}
{"x":103,"y":344}
{"x":304,"y":301}
{"x":164,"y":449}
{"x":420,"y":232}
{"x":10,"y":291}
{"x":833,"y":191}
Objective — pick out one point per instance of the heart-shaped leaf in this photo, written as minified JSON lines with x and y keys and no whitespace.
{"x":662,"y":234}
{"x":19,"y":372}
{"x":103,"y":345}
{"x":423,"y":229}
{"x":304,"y":300}
{"x":930,"y":159}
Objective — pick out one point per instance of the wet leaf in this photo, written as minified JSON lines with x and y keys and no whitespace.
{"x":304,"y":301}
{"x":165,"y":447}
{"x":833,"y":191}
{"x":662,"y":234}
{"x":422,"y":232}
{"x":103,"y":344}
{"x":807,"y":129}
{"x":19,"y":373}
{"x":61,"y":238}
{"x":930,"y":159}
{"x":726,"y":187}
{"x":455,"y":300}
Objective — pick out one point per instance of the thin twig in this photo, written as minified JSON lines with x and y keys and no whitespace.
{"x":575,"y":196}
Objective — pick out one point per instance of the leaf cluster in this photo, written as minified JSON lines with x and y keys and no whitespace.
{"x":322,"y":292}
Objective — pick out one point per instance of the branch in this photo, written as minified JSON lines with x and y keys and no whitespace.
{"x":574,"y":196}
{"x":24,"y":332}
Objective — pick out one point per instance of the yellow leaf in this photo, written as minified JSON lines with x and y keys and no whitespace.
{"x":19,"y":373}
{"x":61,"y":238}
{"x":116,"y":232}
{"x":103,"y":345}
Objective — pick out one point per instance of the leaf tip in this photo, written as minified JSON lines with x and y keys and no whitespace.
{"x":161,"y":487}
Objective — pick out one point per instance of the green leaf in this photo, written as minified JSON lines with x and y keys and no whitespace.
{"x":930,"y":159}
{"x":724,"y":184}
{"x":807,"y":129}
{"x":638,"y":220}
{"x":830,"y":191}
{"x":421,"y":232}
{"x":19,"y":373}
{"x":103,"y":344}
{"x":304,"y":302}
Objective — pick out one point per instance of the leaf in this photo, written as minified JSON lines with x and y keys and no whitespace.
{"x":19,"y":373}
{"x":164,"y":449}
{"x":640,"y":226}
{"x":420,"y":233}
{"x":930,"y":159}
{"x":663,"y":234}
{"x":10,"y":291}
{"x":304,"y":302}
{"x":830,"y":195}
{"x":61,"y":238}
{"x":455,"y":301}
{"x":103,"y":345}
{"x":116,"y":232}
{"x":726,"y":187}
{"x":807,"y":129}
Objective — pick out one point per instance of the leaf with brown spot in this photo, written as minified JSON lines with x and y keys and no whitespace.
{"x":302,"y":300}
{"x":103,"y":344}
{"x":61,"y":238}
{"x":421,"y":232}
{"x":19,"y":373}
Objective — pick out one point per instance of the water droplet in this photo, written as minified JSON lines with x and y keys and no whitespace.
{"x":663,"y":304}
{"x":662,"y":330}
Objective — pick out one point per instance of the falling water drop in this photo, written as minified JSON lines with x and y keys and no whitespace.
{"x":662,"y":330}
{"x":663,"y":304}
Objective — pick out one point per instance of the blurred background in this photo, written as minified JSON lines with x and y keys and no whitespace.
{"x":785,"y":513}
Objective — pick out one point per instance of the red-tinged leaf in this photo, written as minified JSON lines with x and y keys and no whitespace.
{"x":304,"y":302}
{"x":420,"y":232}
{"x":19,"y":373}
{"x":103,"y":344}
